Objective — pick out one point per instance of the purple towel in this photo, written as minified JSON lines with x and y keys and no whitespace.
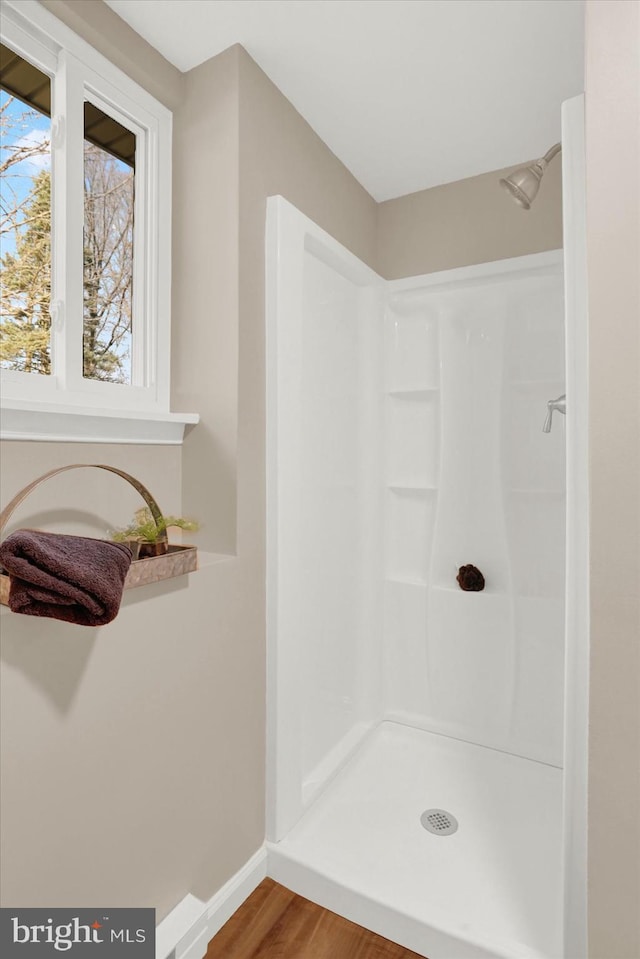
{"x":73,"y":578}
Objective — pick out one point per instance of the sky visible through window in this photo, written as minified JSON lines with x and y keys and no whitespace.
{"x":25,"y":129}
{"x":25,"y":249}
{"x":107,"y":265}
{"x":25,"y":237}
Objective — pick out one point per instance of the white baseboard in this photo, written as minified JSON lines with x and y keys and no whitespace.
{"x":234,"y":892}
{"x":185,"y":933}
{"x":177,"y":925}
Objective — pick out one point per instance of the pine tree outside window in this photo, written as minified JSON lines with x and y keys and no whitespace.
{"x":25,"y":223}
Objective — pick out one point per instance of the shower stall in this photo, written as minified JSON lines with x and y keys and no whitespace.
{"x":416,"y":730}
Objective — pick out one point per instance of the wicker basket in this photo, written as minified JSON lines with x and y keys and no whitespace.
{"x":175,"y":561}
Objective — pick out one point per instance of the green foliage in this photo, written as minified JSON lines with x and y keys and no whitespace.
{"x":144,"y":529}
{"x":26,"y":286}
{"x":25,"y":230}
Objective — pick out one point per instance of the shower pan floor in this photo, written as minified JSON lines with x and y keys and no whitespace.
{"x":490,"y":889}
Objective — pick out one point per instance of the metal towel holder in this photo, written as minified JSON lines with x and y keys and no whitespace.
{"x":176,"y":561}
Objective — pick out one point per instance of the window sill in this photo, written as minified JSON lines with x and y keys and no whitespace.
{"x":64,"y":424}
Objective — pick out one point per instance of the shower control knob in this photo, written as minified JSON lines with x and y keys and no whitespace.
{"x":559,"y":405}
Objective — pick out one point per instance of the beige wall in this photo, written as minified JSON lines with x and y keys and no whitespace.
{"x":105,"y":30}
{"x":280,"y":154}
{"x":613,"y":225}
{"x":206,"y":259}
{"x":133,"y":755}
{"x":145,"y":738}
{"x":469,"y":221}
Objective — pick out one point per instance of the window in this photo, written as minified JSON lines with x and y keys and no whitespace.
{"x":25,"y":216}
{"x":107,"y":253}
{"x":85,"y":244}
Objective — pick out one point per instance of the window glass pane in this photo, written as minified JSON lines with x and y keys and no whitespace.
{"x":109,"y":165}
{"x":25,"y":216}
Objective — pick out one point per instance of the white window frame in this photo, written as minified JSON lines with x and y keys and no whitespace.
{"x":65,"y":405}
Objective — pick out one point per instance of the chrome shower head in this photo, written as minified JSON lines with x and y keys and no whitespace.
{"x":523,"y":184}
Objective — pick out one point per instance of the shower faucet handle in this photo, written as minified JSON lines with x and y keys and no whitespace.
{"x":559,"y":405}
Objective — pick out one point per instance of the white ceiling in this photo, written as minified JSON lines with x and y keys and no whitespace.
{"x":409,"y":94}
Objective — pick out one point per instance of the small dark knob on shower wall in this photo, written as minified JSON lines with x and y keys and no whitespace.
{"x":470,"y":579}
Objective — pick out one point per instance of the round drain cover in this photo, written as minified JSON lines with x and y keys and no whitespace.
{"x":439,"y":822}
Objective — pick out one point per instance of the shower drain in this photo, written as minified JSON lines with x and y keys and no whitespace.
{"x":439,"y":822}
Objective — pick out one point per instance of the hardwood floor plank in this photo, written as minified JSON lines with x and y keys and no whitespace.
{"x":275,"y":923}
{"x":257,"y":916}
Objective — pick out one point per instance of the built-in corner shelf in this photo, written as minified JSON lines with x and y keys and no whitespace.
{"x":424,"y":393}
{"x":407,"y":581}
{"x":542,"y":493}
{"x":410,"y":489}
{"x":467,"y":592}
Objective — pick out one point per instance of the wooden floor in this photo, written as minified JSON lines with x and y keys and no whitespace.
{"x":274,"y":923}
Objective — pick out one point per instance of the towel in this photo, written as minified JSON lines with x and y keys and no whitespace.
{"x":73,"y":578}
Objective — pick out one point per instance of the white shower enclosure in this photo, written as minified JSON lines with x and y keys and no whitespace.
{"x":404,"y":440}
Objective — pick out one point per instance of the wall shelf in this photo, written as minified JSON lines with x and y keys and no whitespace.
{"x":469,"y":592}
{"x":176,"y":560}
{"x":519,"y":491}
{"x":424,"y":393}
{"x":408,"y":489}
{"x":407,"y":581}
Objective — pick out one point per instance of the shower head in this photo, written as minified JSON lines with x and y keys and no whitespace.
{"x":523,"y":183}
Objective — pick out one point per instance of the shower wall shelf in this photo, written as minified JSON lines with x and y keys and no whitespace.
{"x":177,"y":560}
{"x":468,"y":592}
{"x":420,"y":393}
{"x":407,"y":581}
{"x":519,"y":491}
{"x":551,"y":381}
{"x":409,"y":488}
{"x":412,"y":426}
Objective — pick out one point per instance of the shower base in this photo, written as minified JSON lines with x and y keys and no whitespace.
{"x":490,"y":890}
